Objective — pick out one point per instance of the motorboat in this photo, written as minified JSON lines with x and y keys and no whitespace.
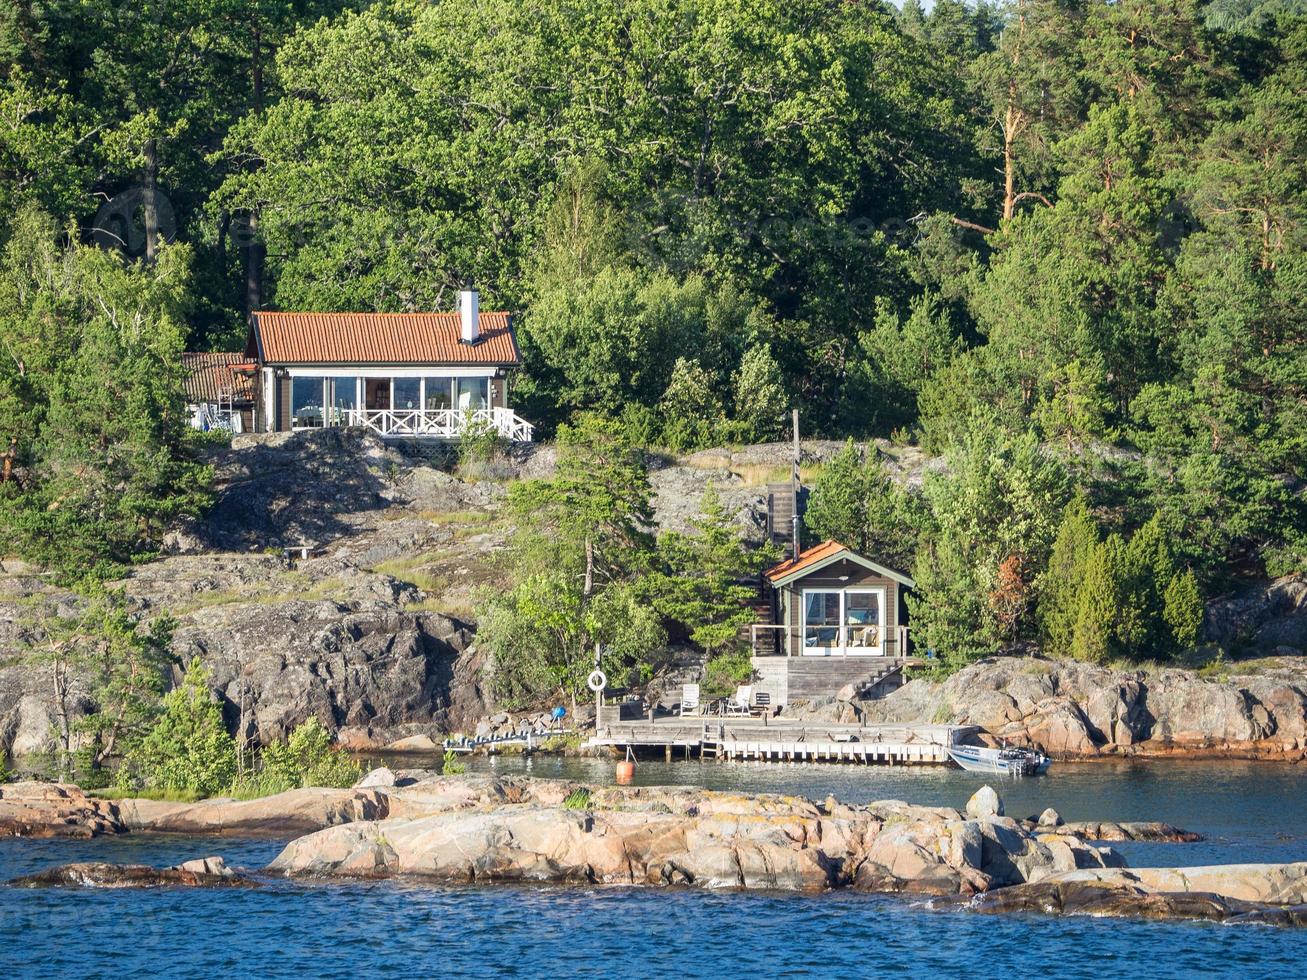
{"x":1008,"y":761}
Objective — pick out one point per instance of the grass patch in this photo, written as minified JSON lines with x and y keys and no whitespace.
{"x":458,"y":518}
{"x":451,"y":766}
{"x":578,"y":799}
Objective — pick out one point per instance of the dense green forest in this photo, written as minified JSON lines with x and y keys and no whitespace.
{"x":1059,"y":242}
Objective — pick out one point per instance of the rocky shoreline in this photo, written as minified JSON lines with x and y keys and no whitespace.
{"x":486,"y":829}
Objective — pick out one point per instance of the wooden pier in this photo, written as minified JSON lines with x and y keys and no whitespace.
{"x":781,"y":740}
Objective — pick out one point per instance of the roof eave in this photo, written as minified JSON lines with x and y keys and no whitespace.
{"x":852,"y":556}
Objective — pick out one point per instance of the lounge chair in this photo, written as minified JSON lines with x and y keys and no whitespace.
{"x":741,"y":702}
{"x":690,"y":699}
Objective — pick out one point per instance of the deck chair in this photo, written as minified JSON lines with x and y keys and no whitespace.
{"x":689,"y":699}
{"x":741,"y":702}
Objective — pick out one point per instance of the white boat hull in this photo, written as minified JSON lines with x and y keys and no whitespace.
{"x":1005,"y":762}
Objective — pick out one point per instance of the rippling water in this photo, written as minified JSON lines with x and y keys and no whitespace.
{"x":1254,"y":812}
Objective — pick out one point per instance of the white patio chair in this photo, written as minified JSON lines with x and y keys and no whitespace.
{"x":690,"y":699}
{"x":741,"y":702}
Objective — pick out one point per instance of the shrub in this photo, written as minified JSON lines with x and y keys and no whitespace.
{"x":479,"y":443}
{"x":450,"y":766}
{"x":188,"y":749}
{"x":307,"y":758}
{"x":724,"y":673}
{"x":1183,"y":609}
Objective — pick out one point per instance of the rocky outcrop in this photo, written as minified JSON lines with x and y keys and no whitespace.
{"x":31,"y":809}
{"x":522,"y":830}
{"x":296,"y":811}
{"x":1272,"y":893}
{"x":1074,"y":710}
{"x":203,"y":872}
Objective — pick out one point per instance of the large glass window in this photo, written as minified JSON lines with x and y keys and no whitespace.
{"x":439,"y":393}
{"x":407,"y":394}
{"x":306,"y":403}
{"x":472,"y":393}
{"x":821,"y":620}
{"x":862,"y":616}
{"x":342,"y":398}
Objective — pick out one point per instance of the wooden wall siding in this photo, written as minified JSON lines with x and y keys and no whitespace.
{"x":283,"y":405}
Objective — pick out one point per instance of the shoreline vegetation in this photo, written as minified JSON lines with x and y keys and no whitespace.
{"x":486,"y":830}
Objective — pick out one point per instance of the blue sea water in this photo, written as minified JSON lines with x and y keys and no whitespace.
{"x":411,"y":929}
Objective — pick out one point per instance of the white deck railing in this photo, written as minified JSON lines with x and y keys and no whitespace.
{"x":440,"y":423}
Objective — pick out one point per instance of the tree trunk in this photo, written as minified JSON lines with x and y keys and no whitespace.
{"x":150,"y":199}
{"x":588,"y":588}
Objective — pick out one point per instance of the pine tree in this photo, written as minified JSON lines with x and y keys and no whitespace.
{"x":1183,"y":609}
{"x":707,"y":579}
{"x":1061,"y":584}
{"x":1100,"y":602}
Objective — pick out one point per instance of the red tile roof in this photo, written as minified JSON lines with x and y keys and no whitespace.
{"x":806,"y":559}
{"x":382,"y":338}
{"x":211,"y":375}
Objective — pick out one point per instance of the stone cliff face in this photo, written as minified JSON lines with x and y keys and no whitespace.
{"x":1076,"y":710}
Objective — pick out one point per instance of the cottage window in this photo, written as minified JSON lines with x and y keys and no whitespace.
{"x":306,"y":402}
{"x":407,"y":394}
{"x":342,"y":398}
{"x":439,"y":393}
{"x":821,"y":620}
{"x":472,"y":393}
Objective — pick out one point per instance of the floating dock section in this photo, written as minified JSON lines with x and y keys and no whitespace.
{"x":782,"y":740}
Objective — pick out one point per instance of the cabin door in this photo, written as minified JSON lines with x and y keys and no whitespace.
{"x":843,"y":622}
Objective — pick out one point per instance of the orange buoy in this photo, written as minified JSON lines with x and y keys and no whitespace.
{"x":626,"y":768}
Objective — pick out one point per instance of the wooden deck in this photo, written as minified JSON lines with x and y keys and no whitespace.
{"x":783,"y":740}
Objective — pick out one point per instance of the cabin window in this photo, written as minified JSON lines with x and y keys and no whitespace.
{"x":439,"y":393}
{"x":408,"y":394}
{"x":821,"y":620}
{"x":844,"y":622}
{"x":306,"y":402}
{"x":342,"y":397}
{"x":862,"y":618}
{"x":471,"y":393}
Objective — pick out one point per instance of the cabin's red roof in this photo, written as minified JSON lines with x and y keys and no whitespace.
{"x":382,"y":338}
{"x":213,"y":376}
{"x":814,"y":555}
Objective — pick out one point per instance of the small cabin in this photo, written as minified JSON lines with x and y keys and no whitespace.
{"x":837,"y":625}
{"x":399,"y":375}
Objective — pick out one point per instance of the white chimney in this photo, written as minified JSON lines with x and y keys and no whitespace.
{"x":469,"y":307}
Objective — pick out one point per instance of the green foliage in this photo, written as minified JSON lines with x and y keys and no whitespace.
{"x":853,"y":501}
{"x":308,"y":758}
{"x":704,"y":578}
{"x":578,"y":799}
{"x":1183,"y":609}
{"x":725,"y":672}
{"x":1063,"y":581}
{"x":91,"y":401}
{"x":1000,"y":497}
{"x":479,"y":444}
{"x":188,"y":749}
{"x":450,"y":764}
{"x":581,"y":542}
{"x":691,"y":406}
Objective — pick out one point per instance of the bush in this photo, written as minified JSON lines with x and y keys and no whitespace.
{"x":450,"y":766}
{"x":479,"y":445}
{"x":724,"y":673}
{"x":188,"y":749}
{"x":307,"y":758}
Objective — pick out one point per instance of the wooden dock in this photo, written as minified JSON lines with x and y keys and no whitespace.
{"x":781,"y":740}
